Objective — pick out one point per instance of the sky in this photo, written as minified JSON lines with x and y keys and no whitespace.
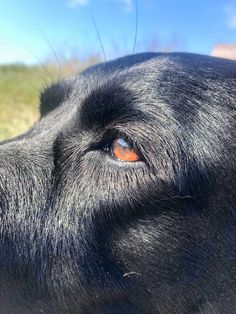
{"x":33,"y":31}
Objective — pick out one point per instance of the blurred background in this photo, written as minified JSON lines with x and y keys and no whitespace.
{"x":43,"y":41}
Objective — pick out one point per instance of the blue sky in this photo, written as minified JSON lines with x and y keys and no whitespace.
{"x":179,"y":25}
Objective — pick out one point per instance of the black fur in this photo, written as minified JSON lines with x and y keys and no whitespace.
{"x":82,"y":232}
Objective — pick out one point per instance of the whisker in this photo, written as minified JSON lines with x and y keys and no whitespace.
{"x":53,"y":51}
{"x":99,"y":37}
{"x":48,"y":76}
{"x":136,"y":26}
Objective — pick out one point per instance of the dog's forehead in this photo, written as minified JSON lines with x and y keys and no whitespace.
{"x":151,"y":79}
{"x":159,"y":83}
{"x":157,"y":63}
{"x":143,"y":70}
{"x":156,"y":75}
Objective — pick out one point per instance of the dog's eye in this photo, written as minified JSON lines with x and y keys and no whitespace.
{"x":123,"y":150}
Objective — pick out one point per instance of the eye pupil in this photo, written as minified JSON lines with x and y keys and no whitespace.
{"x":124,"y":151}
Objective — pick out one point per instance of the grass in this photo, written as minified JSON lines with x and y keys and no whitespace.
{"x":19,"y":94}
{"x":20,"y":88}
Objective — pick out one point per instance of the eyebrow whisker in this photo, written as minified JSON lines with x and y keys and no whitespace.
{"x":136,"y":26}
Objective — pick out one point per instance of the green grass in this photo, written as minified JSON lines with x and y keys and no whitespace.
{"x":19,"y":98}
{"x":20,"y":88}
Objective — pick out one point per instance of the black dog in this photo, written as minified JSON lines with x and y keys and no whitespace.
{"x":122,"y":198}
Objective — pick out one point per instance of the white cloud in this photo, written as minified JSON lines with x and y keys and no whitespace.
{"x":76,"y":3}
{"x":128,"y":5}
{"x":230,"y":10}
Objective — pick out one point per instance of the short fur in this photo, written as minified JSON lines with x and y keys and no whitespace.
{"x":83,"y":232}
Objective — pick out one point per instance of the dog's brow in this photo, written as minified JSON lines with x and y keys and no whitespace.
{"x":107,"y":104}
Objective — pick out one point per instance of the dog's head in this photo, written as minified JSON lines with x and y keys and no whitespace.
{"x":121,"y":199}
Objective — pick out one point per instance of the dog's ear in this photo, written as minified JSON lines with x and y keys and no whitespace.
{"x":53,"y":96}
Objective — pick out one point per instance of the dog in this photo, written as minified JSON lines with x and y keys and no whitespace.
{"x":121,"y":198}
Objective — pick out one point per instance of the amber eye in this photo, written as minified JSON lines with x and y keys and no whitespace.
{"x":124,"y":151}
